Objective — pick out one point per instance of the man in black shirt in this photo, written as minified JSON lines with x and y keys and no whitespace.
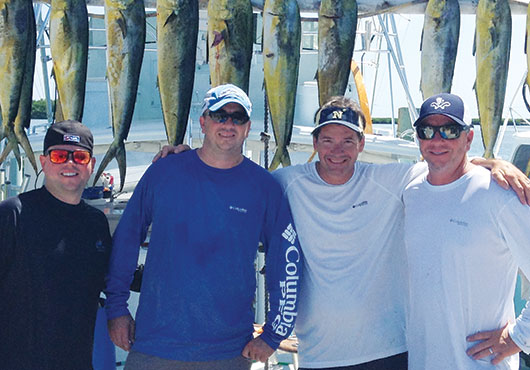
{"x":54,"y":251}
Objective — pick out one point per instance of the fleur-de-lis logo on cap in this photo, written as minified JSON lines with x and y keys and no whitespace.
{"x":440,"y":104}
{"x":337,"y":114}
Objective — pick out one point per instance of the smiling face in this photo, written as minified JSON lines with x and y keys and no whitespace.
{"x":227,"y":137}
{"x":66,"y":181}
{"x":447,"y":159}
{"x":338,"y":148}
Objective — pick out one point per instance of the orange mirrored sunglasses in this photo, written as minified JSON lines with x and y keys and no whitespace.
{"x":58,"y":156}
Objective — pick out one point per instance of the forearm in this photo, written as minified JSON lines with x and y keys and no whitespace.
{"x":284,"y":263}
{"x":128,"y":236}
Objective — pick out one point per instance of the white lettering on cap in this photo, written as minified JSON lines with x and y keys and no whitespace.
{"x":72,"y":138}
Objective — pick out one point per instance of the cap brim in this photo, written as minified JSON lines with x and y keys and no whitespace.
{"x":224,"y":102}
{"x":456,"y":119}
{"x":338,"y":122}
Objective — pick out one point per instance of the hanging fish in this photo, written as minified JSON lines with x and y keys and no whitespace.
{"x":125,"y":28}
{"x":492,"y":43}
{"x":177,"y":27}
{"x":23,"y":120}
{"x":230,"y":33}
{"x":69,"y":48}
{"x":439,"y":43}
{"x":337,"y":24}
{"x":281,"y":57}
{"x":17,"y":39}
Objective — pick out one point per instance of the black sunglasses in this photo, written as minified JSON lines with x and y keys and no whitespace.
{"x":447,"y":132}
{"x":220,"y":116}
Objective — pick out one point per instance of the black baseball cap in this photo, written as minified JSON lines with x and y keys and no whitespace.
{"x":68,"y":133}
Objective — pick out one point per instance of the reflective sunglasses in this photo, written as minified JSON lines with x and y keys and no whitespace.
{"x":220,"y":116}
{"x":58,"y":156}
{"x":447,"y":132}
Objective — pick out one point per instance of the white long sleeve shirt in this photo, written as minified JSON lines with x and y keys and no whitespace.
{"x":465,"y":241}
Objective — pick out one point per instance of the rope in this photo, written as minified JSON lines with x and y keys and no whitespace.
{"x":265,"y":137}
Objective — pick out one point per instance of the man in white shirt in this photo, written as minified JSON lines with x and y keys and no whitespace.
{"x":349,"y":219}
{"x":465,"y":238}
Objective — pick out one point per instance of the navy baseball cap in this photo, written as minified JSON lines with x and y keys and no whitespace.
{"x":339,"y":116}
{"x":217,"y":97}
{"x":68,"y":133}
{"x":449,"y":105}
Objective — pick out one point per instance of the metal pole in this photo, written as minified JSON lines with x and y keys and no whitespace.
{"x":3,"y":186}
{"x":399,"y":65}
{"x":376,"y":72}
{"x":41,"y":26}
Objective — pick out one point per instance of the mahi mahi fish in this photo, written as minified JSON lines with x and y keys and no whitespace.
{"x":17,"y":62}
{"x":439,"y":43}
{"x":69,"y":48}
{"x":492,"y":43}
{"x":281,"y":58}
{"x":337,"y":24}
{"x":125,"y":26}
{"x":230,"y":42}
{"x":177,"y":28}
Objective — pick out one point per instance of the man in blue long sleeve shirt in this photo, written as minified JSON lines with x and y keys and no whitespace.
{"x":209,"y":208}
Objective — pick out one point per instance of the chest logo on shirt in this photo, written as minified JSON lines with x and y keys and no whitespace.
{"x":100,"y":247}
{"x":458,"y":222}
{"x":237,"y":209}
{"x":362,"y":204}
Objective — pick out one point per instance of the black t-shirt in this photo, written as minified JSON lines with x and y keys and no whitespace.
{"x":53,"y":260}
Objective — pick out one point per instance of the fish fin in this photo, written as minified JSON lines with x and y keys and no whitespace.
{"x":5,"y":13}
{"x":24,"y":142}
{"x":5,"y":153}
{"x":278,"y":158}
{"x":170,"y":18}
{"x":286,"y":159}
{"x":494,"y":38}
{"x":525,"y":87}
{"x":123,"y":25}
{"x":16,"y":152}
{"x":474,"y":50}
{"x":116,"y":150}
{"x":207,"y":49}
{"x":218,"y":38}
{"x":12,"y":145}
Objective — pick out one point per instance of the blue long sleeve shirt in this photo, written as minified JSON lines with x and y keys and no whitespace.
{"x":199,"y":279}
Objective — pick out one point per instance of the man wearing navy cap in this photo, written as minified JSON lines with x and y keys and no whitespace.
{"x":54,"y":252}
{"x":465,"y":238}
{"x":349,"y":218}
{"x":208,"y":208}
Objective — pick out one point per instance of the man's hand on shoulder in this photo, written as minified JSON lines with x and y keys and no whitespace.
{"x":507,"y":175}
{"x":121,"y":331}
{"x":170,"y":149}
{"x":257,"y":350}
